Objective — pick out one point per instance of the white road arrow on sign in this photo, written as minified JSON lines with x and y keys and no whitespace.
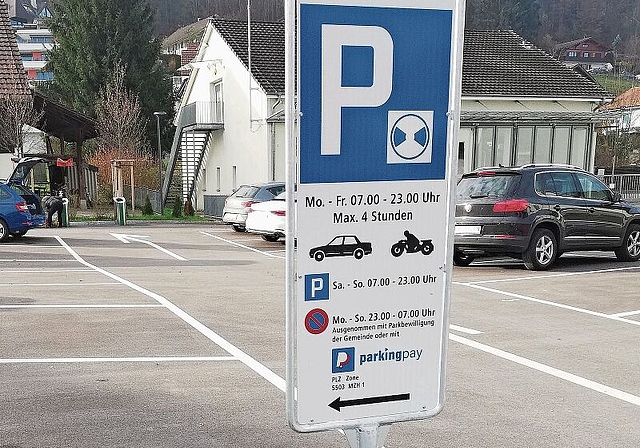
{"x":138,"y":238}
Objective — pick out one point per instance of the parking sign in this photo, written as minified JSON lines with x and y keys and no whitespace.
{"x":378,"y":99}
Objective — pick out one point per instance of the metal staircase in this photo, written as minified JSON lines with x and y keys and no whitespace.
{"x":196,"y":122}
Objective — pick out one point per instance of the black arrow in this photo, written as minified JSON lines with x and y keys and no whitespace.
{"x":338,"y":403}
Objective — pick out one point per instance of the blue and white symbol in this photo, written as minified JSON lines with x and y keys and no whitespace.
{"x":316,"y":287}
{"x":343,"y":360}
{"x":409,"y":137}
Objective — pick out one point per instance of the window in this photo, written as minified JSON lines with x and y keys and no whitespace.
{"x":561,"y":142}
{"x":564,"y":185}
{"x":216,"y":98}
{"x":4,"y":194}
{"x":573,"y":54}
{"x":543,"y":145}
{"x":218,"y":178}
{"x":544,"y":184}
{"x":579,"y":146}
{"x":585,"y":54}
{"x":524,"y":149}
{"x":592,"y":188}
{"x":484,"y":147}
{"x":503,"y":146}
{"x":234,"y":176}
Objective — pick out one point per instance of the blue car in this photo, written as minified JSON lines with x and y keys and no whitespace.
{"x":20,"y":208}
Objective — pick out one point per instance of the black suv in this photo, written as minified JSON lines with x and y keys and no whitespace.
{"x":537,"y":212}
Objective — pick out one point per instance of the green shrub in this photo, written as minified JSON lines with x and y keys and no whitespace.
{"x":177,"y":208}
{"x":147,"y":209}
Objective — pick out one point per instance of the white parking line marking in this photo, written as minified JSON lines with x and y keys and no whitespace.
{"x":103,"y":360}
{"x":266,"y":254}
{"x":562,"y":274}
{"x":125,"y":239}
{"x":464,"y":330}
{"x":32,"y":245}
{"x":204,"y":330}
{"x":546,"y":302}
{"x":35,"y":285}
{"x":628,"y":313}
{"x":142,"y":305}
{"x":43,"y":271}
{"x":610,"y":391}
{"x":15,"y":260}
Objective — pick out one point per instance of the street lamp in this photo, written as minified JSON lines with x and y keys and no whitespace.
{"x":158,"y":115}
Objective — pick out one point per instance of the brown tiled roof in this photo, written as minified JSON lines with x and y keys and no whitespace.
{"x":501,"y":63}
{"x":13,"y":78}
{"x":630,"y":98}
{"x":267,"y":49}
{"x":496,"y":63}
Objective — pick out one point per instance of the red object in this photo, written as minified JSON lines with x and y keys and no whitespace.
{"x":511,"y":205}
{"x":486,"y":174}
{"x":62,"y":162}
{"x":22,"y":207}
{"x":279,"y":212}
{"x":248,"y":203}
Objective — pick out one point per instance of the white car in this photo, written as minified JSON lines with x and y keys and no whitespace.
{"x":268,"y":218}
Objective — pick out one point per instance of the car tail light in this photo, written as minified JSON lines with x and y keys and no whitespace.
{"x":22,"y":207}
{"x":248,"y":203}
{"x":511,"y":205}
{"x":279,"y":212}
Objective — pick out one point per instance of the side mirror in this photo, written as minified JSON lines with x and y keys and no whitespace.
{"x":617,"y":197}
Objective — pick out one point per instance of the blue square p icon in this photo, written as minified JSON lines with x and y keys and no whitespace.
{"x":316,"y":287}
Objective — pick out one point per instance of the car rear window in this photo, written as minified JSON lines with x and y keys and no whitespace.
{"x":20,"y":189}
{"x":493,"y":186}
{"x":246,"y":191}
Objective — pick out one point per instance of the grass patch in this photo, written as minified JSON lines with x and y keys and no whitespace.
{"x":615,"y":84}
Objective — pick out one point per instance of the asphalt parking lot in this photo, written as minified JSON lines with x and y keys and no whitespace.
{"x":174,"y":336}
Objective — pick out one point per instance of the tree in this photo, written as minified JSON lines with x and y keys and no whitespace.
{"x":94,"y":37}
{"x":16,"y":111}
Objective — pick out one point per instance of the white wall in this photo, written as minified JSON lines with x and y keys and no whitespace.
{"x":243,"y":143}
{"x":6,"y":166}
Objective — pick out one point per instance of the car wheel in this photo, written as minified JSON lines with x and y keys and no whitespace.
{"x":270,"y":238}
{"x":238,"y":228}
{"x":318,"y":256}
{"x":630,"y":249}
{"x":4,"y":230}
{"x":19,"y":234}
{"x":542,"y":251}
{"x":358,"y":254}
{"x":460,"y":259}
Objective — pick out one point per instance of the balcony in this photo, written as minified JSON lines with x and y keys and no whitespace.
{"x":202,"y":115}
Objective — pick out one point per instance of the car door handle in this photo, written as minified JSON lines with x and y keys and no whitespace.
{"x":591,"y":210}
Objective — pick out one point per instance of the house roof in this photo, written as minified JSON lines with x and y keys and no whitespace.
{"x":13,"y":78}
{"x":564,"y":45}
{"x":630,"y":98}
{"x":499,"y":63}
{"x":189,"y":33}
{"x":267,"y":50}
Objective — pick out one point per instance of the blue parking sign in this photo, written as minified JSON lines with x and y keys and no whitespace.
{"x":374,"y":93}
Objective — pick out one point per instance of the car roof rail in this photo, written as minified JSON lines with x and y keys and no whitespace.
{"x":552,"y":165}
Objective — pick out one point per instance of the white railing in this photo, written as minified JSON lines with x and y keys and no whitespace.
{"x":628,"y":185}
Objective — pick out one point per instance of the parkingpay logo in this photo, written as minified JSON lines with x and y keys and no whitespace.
{"x":391,"y":355}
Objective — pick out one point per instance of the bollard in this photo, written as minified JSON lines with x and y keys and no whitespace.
{"x":65,"y":212}
{"x":121,"y":210}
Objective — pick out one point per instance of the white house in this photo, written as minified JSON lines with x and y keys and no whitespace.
{"x":627,"y":107}
{"x":230,"y":126}
{"x":519,"y":106}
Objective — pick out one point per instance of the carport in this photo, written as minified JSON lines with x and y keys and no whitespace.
{"x":68,"y":126}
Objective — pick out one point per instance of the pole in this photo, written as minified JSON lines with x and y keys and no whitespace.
{"x":157,"y":114}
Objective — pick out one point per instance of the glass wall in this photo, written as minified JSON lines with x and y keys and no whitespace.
{"x":493,"y":145}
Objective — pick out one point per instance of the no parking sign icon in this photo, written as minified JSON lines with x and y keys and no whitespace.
{"x":316,"y":321}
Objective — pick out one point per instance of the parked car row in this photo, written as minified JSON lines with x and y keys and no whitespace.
{"x":534,"y":213}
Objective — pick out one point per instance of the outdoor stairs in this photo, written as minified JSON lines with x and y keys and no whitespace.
{"x":189,"y":150}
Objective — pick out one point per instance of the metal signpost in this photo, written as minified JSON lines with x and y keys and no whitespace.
{"x":372,"y":148}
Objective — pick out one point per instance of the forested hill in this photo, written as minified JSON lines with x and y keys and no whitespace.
{"x":173,"y":14}
{"x":614,"y":23}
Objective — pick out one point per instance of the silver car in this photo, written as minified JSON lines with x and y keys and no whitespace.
{"x":236,"y":206}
